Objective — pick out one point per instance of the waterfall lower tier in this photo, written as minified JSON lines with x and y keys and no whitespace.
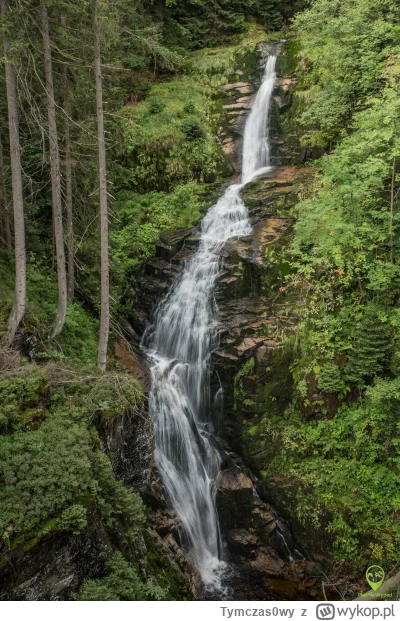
{"x":179,"y":346}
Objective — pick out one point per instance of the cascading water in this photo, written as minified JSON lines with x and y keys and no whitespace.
{"x":179,"y":347}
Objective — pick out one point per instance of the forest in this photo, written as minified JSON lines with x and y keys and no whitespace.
{"x":122,"y":123}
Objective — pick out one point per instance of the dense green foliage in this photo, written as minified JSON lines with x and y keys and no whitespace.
{"x":192,"y":24}
{"x":78,"y":339}
{"x":339,"y":440}
{"x":53,"y":464}
{"x":54,"y":476}
{"x":121,"y":584}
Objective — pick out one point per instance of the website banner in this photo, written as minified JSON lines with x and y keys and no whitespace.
{"x":200,"y":611}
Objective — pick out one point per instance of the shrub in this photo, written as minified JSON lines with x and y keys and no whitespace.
{"x":156,"y":107}
{"x":122,"y":583}
{"x":192,"y":130}
{"x":189,"y":108}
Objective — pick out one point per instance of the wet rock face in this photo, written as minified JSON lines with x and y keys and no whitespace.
{"x":129,"y":441}
{"x":252,"y":365}
{"x":238,"y":98}
{"x":56,"y":566}
{"x":253,"y":360}
{"x":234,"y":499}
{"x":156,"y":276}
{"x":259,"y":548}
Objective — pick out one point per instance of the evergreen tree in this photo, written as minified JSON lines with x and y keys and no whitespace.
{"x":370,"y":353}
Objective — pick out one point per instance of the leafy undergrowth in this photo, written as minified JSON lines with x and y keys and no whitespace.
{"x":78,"y":338}
{"x":339,"y":440}
{"x":54,"y":475}
{"x":53,"y":460}
{"x":142,"y":217}
{"x":345,"y":472}
{"x":122,"y":583}
{"x":169,"y":137}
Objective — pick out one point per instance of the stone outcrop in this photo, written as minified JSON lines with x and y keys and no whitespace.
{"x":55,"y":566}
{"x":258,"y":546}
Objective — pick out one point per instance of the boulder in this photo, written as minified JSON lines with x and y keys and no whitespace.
{"x":234,"y":498}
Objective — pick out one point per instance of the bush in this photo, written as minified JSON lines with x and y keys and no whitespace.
{"x":55,"y":471}
{"x":122,"y":583}
{"x":189,"y":108}
{"x":156,"y":107}
{"x":73,"y":518}
{"x":42,"y":472}
{"x":192,"y":130}
{"x":20,"y":397}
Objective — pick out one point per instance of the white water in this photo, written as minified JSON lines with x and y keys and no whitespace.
{"x":180,"y":346}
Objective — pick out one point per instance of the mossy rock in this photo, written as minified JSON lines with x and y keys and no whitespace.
{"x":264,"y":394}
{"x":161,"y":565}
{"x":287,"y":60}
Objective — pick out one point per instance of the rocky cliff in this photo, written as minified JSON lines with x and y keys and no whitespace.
{"x":250,"y":368}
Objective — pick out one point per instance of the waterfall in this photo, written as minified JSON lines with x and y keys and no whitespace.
{"x":256,"y":135}
{"x":179,"y":347}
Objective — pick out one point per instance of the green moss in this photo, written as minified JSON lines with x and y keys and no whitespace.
{"x":288,"y":60}
{"x":159,"y":563}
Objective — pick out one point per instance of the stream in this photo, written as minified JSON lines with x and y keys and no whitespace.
{"x":179,"y":347}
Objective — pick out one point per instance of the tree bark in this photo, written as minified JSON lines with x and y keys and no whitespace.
{"x":68,"y":188}
{"x":4,"y":203}
{"x":105,"y":294}
{"x":19,"y":305}
{"x":392,"y":211}
{"x":55,"y":178}
{"x":392,"y":201}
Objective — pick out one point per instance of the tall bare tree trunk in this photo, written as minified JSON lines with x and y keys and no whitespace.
{"x":392,"y":201}
{"x":105,"y":286}
{"x":5,"y":216}
{"x":68,"y":188}
{"x":55,"y":178}
{"x":19,"y":305}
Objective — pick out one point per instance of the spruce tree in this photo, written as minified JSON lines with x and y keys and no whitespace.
{"x":371,"y":348}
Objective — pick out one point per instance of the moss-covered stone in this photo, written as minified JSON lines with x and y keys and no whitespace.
{"x":160,"y":564}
